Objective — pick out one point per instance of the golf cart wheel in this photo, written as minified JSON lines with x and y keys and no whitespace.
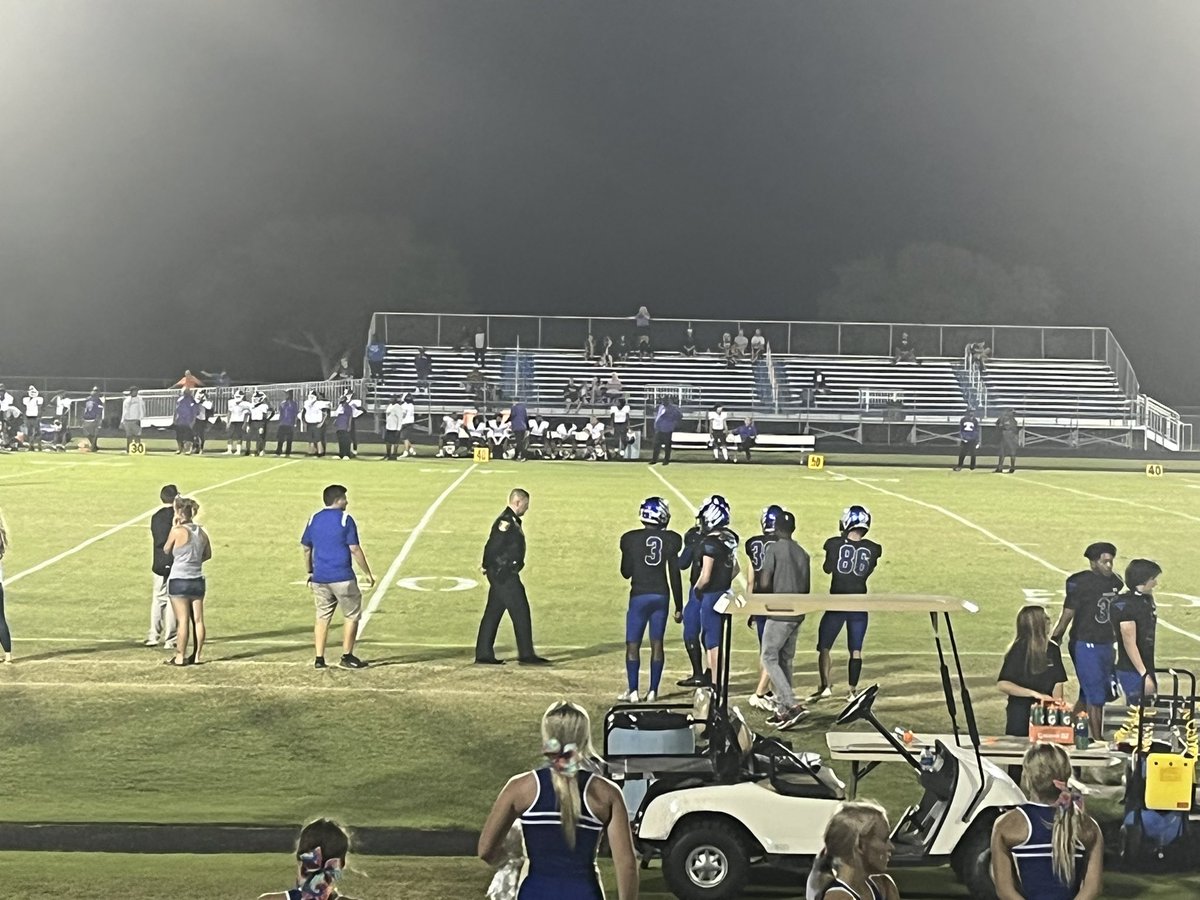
{"x":707,"y":861}
{"x":972,"y":860}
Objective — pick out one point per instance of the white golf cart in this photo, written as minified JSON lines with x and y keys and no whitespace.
{"x":712,"y":799}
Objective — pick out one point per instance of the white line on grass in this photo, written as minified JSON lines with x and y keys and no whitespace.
{"x":382,"y":586}
{"x":1138,"y":503}
{"x":135,"y":520}
{"x":1009,"y":544}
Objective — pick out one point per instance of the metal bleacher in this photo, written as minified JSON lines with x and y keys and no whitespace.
{"x":1072,"y":386}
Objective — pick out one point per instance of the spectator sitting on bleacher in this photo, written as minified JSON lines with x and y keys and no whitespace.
{"x":423,"y":363}
{"x":981,"y":353}
{"x":741,"y":344}
{"x":594,"y":391}
{"x":605,"y":360}
{"x":572,"y":396}
{"x":462,"y":343}
{"x":477,"y":385}
{"x":758,"y":345}
{"x":726,"y":349}
{"x":589,"y":348}
{"x":746,"y":435}
{"x":622,"y":350}
{"x":613,"y":387}
{"x":689,"y":342}
{"x":905,"y":351}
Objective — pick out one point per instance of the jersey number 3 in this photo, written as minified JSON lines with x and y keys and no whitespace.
{"x":654,"y":548}
{"x":853,"y":560}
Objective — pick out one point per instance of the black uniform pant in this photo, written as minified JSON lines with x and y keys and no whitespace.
{"x":284,"y":436}
{"x":965,"y":449}
{"x":520,"y":441}
{"x":198,"y":432}
{"x":662,"y":441}
{"x":259,"y":430}
{"x":343,"y":444}
{"x":183,"y":436}
{"x":1008,"y":447}
{"x":505,"y":594}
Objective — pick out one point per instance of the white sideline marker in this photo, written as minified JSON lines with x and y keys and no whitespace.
{"x":1009,"y":544}
{"x":1090,"y":495}
{"x":382,"y":584}
{"x":135,"y":520}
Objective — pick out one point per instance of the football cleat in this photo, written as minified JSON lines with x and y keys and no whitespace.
{"x":855,"y":517}
{"x":628,"y":697}
{"x":655,"y":511}
{"x":770,"y":516}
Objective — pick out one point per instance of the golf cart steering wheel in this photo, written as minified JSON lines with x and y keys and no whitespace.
{"x":859,"y":707}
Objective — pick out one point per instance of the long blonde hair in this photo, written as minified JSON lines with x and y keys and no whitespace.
{"x":567,"y":742}
{"x":1032,"y":627}
{"x":1047,"y":768}
{"x":852,"y":822}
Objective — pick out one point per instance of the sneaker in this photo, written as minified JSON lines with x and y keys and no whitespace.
{"x":350,"y":661}
{"x":851,"y":694}
{"x":792,"y":718}
{"x":760,"y":701}
{"x":319,"y":663}
{"x":823,"y":693}
{"x":628,"y":697}
{"x":775,"y":719}
{"x":651,"y":696}
{"x":150,"y":643}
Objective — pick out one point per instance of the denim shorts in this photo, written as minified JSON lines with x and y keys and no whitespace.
{"x":191,"y":588}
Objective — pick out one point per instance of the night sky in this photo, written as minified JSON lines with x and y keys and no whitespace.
{"x":590,"y":157}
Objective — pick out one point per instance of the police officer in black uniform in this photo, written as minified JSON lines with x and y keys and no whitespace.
{"x":503,"y":559}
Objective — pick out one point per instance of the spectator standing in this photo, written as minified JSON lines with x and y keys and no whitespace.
{"x":423,"y":364}
{"x":391,"y":429}
{"x":667,"y":419}
{"x":480,"y":345}
{"x":32,"y":401}
{"x":190,"y":549}
{"x":758,"y":345}
{"x":981,"y":353}
{"x":1047,"y":848}
{"x":408,"y":418}
{"x":239,"y":412}
{"x":133,"y":410}
{"x":785,"y":570}
{"x":1135,"y":618}
{"x":641,"y":324}
{"x":503,"y":560}
{"x":330,"y":542}
{"x":376,"y":354}
{"x":518,"y":421}
{"x":589,"y":348}
{"x":904,"y":351}
{"x":619,"y":411}
{"x":321,"y":853}
{"x":162,"y":613}
{"x":93,"y":417}
{"x":5,"y":634}
{"x":853,"y":863}
{"x":564,"y":808}
{"x":968,"y":439}
{"x":204,"y":411}
{"x":1010,"y":431}
{"x":622,"y":348}
{"x":316,"y":417}
{"x":605,"y":360}
{"x":189,"y":381}
{"x":342,"y":370}
{"x":260,"y":416}
{"x":184,"y":421}
{"x":689,"y":342}
{"x":285,"y":433}
{"x":746,"y":435}
{"x":341,"y":424}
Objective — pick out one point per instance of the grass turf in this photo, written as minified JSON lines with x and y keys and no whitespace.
{"x":100,"y":732}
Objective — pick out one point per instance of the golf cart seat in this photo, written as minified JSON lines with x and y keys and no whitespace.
{"x":795,"y":774}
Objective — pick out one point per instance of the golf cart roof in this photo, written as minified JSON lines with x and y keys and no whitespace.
{"x":800,"y":604}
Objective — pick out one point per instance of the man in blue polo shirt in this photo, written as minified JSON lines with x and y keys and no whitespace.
{"x":331,"y":546}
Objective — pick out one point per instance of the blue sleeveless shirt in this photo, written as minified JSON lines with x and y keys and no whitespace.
{"x":556,"y":871}
{"x":1034,"y":857}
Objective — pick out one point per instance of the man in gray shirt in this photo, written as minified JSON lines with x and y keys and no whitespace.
{"x":785,"y":570}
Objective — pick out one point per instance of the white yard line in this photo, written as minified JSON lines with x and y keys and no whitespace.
{"x":134,"y":521}
{"x":1016,"y":548}
{"x":1138,"y":503}
{"x":394,"y":569}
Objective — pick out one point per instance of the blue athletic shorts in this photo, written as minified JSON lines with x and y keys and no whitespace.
{"x":1094,"y":667}
{"x":831,"y":627}
{"x":646,"y":609}
{"x":1131,"y":686}
{"x":710,"y":620}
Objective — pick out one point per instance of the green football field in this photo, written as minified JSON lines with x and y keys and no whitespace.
{"x":95,"y":729}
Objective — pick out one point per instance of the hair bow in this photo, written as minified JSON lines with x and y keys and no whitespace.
{"x":318,"y":876}
{"x":1068,"y":797}
{"x":563,"y":758}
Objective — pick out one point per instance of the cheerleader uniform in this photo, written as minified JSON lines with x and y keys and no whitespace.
{"x":555,"y":871}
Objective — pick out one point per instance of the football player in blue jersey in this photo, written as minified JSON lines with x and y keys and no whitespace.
{"x":756,"y":550}
{"x":713,"y":560}
{"x":850,"y":559}
{"x":650,"y":560}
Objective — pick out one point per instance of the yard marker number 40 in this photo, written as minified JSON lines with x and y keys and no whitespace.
{"x":1154,"y":470}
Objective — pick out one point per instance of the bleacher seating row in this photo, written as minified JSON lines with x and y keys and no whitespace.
{"x":938,"y":386}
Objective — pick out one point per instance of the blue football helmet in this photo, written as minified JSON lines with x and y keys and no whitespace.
{"x":770,"y":516}
{"x":855,"y":517}
{"x":655,"y":511}
{"x":714,"y":513}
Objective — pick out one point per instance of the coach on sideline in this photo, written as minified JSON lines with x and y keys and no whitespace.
{"x":503,"y":559}
{"x":330,"y":542}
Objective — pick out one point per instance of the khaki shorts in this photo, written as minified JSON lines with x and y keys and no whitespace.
{"x":329,"y":597}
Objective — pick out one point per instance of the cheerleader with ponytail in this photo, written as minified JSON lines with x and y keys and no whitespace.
{"x":853,"y":863}
{"x":1048,"y":848}
{"x":564,"y":808}
{"x":5,"y":636}
{"x":321,"y":853}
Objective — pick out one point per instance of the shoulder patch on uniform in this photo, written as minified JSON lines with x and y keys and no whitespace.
{"x":503,"y":526}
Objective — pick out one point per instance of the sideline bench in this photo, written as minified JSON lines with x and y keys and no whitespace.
{"x":798,"y":443}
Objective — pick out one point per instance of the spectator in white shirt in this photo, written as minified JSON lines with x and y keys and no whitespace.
{"x":758,"y":345}
{"x":391,"y":429}
{"x":32,"y":402}
{"x":740,"y":343}
{"x":481,"y":346}
{"x":316,"y":417}
{"x":408,"y":417}
{"x":133,"y":410}
{"x":613,"y":388}
{"x":619,"y":411}
{"x":7,"y":410}
{"x":718,"y":433}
